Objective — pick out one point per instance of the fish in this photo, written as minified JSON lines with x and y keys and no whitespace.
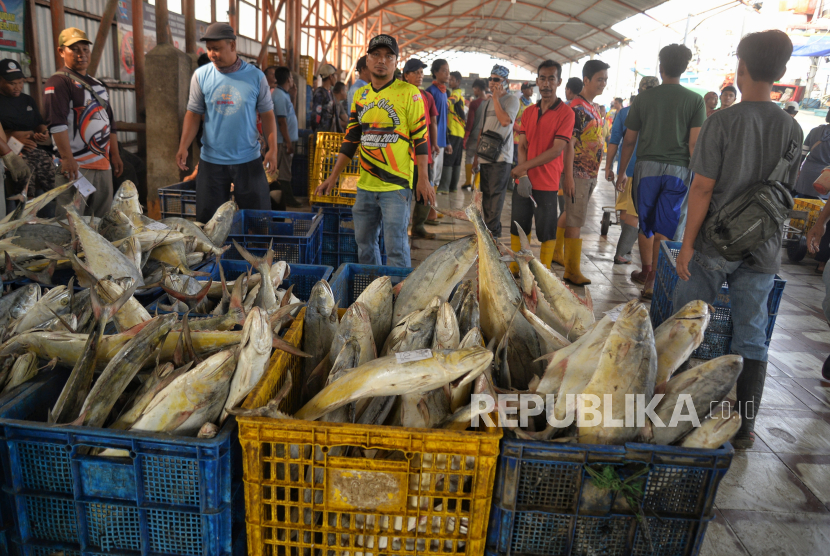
{"x":415,"y":331}
{"x":460,"y":295}
{"x":706,"y":383}
{"x":34,"y":236}
{"x":575,"y":362}
{"x":32,"y":206}
{"x":272,"y":408}
{"x":24,"y":369}
{"x":155,"y":383}
{"x":208,"y":430}
{"x":468,"y":314}
{"x":627,"y":365}
{"x":52,"y":303}
{"x":126,"y":200}
{"x":267,"y":296}
{"x":121,"y":369}
{"x":386,"y":377}
{"x":68,"y":406}
{"x":132,"y":250}
{"x":354,"y":324}
{"x":17,"y":304}
{"x":567,"y":306}
{"x":192,"y":399}
{"x":549,"y":339}
{"x":436,"y":276}
{"x":197,"y":237}
{"x":377,"y":298}
{"x":471,"y":339}
{"x":186,"y":293}
{"x":254,"y":353}
{"x":103,"y":259}
{"x":499,"y":299}
{"x":319,"y":324}
{"x":678,"y":336}
{"x":219,"y":226}
{"x":447,"y":334}
{"x":132,"y":312}
{"x":714,"y":432}
{"x":172,"y":255}
{"x":425,"y":410}
{"x":347,"y":360}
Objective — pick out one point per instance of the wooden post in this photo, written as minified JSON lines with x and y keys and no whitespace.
{"x":297,"y":32}
{"x":34,"y":54}
{"x":233,"y":16}
{"x":58,"y":25}
{"x":102,"y":35}
{"x":138,"y":69}
{"x":340,"y":37}
{"x":189,"y":26}
{"x":213,"y":11}
{"x":162,"y":19}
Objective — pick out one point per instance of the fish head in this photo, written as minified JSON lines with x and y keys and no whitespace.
{"x":126,"y":191}
{"x":693,"y":310}
{"x":435,"y":304}
{"x":468,"y":362}
{"x":321,"y":299}
{"x":357,"y":312}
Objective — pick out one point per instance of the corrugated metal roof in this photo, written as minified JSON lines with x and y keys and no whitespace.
{"x":523,"y":31}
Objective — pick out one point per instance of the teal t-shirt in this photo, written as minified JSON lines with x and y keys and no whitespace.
{"x":663,"y":117}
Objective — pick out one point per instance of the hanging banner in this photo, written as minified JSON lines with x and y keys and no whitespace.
{"x":125,"y":35}
{"x":11,"y":25}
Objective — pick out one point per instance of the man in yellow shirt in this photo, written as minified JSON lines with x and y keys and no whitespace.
{"x":387,"y":121}
{"x":456,"y":127}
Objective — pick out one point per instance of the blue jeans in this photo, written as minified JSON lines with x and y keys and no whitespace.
{"x":748,"y":294}
{"x":392,"y":209}
{"x":825,"y":276}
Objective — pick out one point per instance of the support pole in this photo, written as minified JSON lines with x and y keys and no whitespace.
{"x":58,"y":25}
{"x":138,"y":68}
{"x":34,"y":51}
{"x":213,"y":11}
{"x":101,"y":37}
{"x":189,"y":26}
{"x":162,"y":29}
{"x":340,"y":37}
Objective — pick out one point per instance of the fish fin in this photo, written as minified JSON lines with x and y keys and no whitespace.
{"x":316,"y":379}
{"x":237,"y":296}
{"x":188,"y":340}
{"x":525,"y":242}
{"x":222,"y":276}
{"x":507,"y":259}
{"x":44,"y":277}
{"x":457,"y":214}
{"x":282,"y":312}
{"x":9,"y":264}
{"x":279,"y":343}
{"x":396,"y":289}
{"x":63,"y":322}
{"x":113,"y":308}
{"x":255,"y":262}
{"x":97,"y":306}
{"x":570,"y":328}
{"x":50,"y":419}
{"x":590,"y":302}
{"x":191,"y":300}
{"x":286,"y":296}
{"x":86,"y":278}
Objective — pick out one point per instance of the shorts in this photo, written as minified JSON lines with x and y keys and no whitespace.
{"x":624,"y":201}
{"x":658,"y":191}
{"x":283,"y":163}
{"x":545,"y":214}
{"x":576,"y":207}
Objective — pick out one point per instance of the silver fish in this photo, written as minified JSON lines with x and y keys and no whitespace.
{"x":254,"y":353}
{"x":355,"y":324}
{"x":219,"y":226}
{"x":319,"y":324}
{"x":18,"y":303}
{"x":377,"y":298}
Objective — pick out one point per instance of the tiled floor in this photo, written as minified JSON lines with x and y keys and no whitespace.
{"x":775,"y":500}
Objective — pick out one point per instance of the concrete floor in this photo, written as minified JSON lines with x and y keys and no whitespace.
{"x":776,"y":497}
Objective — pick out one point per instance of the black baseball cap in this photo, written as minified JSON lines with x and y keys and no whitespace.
{"x":413,"y":64}
{"x":527,"y":85}
{"x":383,"y":40}
{"x":218,"y":31}
{"x":10,"y":70}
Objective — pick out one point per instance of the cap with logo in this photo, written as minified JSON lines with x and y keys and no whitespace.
{"x":383,"y":40}
{"x":413,"y":64}
{"x":791,"y":107}
{"x":326,"y":70}
{"x":71,"y":35}
{"x":219,"y":31}
{"x":10,"y":70}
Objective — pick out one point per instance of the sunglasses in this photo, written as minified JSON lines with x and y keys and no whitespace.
{"x":495,"y":79}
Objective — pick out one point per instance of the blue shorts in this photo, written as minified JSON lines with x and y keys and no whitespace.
{"x":658,"y":191}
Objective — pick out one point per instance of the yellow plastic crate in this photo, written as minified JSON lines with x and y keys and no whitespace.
{"x":813,"y":206}
{"x":307,"y":69}
{"x":360,"y":490}
{"x":321,"y":165}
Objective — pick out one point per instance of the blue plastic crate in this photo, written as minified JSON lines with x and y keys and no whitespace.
{"x":545,"y":502}
{"x":718,"y":338}
{"x":295,"y":237}
{"x":350,"y":280}
{"x":178,"y":199}
{"x":339,"y":244}
{"x":173,"y":495}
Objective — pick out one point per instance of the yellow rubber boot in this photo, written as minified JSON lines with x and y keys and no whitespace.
{"x":546,"y":255}
{"x":559,"y":247}
{"x":469,"y":173}
{"x":477,"y":185}
{"x":516,"y":246}
{"x":573,"y":257}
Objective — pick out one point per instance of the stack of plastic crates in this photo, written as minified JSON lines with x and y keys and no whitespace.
{"x":179,"y":200}
{"x":302,"y":277}
{"x":326,"y":148}
{"x":171,"y":495}
{"x":813,"y":207}
{"x":300,"y":164}
{"x":295,"y":237}
{"x":318,"y":487}
{"x":339,"y":244}
{"x":307,"y":69}
{"x":349,"y":280}
{"x":718,"y":338}
{"x":547,"y":503}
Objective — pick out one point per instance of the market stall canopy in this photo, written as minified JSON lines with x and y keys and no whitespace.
{"x":523,"y":31}
{"x":815,"y":46}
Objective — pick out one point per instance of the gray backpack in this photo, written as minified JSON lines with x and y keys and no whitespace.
{"x":751,"y":219}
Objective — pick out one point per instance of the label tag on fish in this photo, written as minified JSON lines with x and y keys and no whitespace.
{"x":615,"y":312}
{"x":156,"y":226}
{"x":15,"y":145}
{"x":85,"y":187}
{"x":414,"y":355}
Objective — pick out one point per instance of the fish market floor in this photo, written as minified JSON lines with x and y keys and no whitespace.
{"x":775,"y":499}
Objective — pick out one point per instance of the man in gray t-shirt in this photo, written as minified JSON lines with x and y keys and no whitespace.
{"x":737,"y":148}
{"x":499,"y":115}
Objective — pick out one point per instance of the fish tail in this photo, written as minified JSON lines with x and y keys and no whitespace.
{"x":256,"y":262}
{"x":522,"y":237}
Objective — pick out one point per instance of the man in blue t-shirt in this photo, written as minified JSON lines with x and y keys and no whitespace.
{"x":440,"y":77}
{"x":229,"y":93}
{"x":286,"y":128}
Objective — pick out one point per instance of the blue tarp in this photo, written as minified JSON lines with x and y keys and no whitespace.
{"x":815,"y":46}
